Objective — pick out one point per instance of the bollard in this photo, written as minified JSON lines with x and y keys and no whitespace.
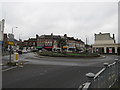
{"x":90,"y":77}
{"x":116,"y":60}
{"x":16,"y":58}
{"x":116,"y":69}
{"x":106,"y":65}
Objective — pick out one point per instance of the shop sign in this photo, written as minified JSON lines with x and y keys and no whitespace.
{"x":110,"y":50}
{"x":11,"y":43}
{"x":48,"y":47}
{"x":65,"y":46}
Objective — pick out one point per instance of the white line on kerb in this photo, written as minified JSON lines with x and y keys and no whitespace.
{"x":9,"y":68}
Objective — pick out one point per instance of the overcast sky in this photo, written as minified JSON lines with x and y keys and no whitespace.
{"x":77,"y":19}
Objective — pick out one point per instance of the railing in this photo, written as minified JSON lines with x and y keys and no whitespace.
{"x":105,"y":78}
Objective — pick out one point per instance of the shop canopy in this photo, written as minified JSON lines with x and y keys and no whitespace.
{"x":39,"y":47}
{"x":48,"y":47}
{"x":65,"y":46}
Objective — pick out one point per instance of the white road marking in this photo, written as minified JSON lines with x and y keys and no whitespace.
{"x":9,"y":68}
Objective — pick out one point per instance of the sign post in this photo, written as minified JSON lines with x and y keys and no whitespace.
{"x":10,"y":54}
{"x":10,"y":43}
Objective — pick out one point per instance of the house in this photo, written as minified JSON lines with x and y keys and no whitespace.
{"x":31,"y":43}
{"x":50,"y":43}
{"x":75,"y":44}
{"x":104,"y":43}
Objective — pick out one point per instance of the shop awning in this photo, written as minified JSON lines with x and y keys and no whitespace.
{"x":39,"y":47}
{"x":65,"y":46}
{"x":48,"y":47}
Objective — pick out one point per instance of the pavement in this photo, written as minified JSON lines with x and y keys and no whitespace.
{"x":5,"y":60}
{"x":52,"y":72}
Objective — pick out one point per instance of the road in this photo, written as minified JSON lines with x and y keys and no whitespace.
{"x":52,"y":72}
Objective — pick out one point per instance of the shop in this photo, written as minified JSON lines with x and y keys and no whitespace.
{"x":49,"y":48}
{"x":107,"y":48}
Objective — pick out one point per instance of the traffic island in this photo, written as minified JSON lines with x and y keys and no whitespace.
{"x":11,"y":63}
{"x":15,"y":64}
{"x":82,"y":55}
{"x":15,"y":61}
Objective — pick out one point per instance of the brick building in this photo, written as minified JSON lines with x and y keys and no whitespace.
{"x":31,"y":43}
{"x":50,"y":43}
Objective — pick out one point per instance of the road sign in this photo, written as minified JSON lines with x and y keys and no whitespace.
{"x":10,"y":37}
{"x":1,"y":42}
{"x":11,"y":43}
{"x":65,"y":46}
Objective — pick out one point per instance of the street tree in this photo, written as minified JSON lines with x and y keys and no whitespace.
{"x":61,"y":43}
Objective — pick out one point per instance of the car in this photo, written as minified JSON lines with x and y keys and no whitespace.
{"x":34,"y":50}
{"x":24,"y":51}
{"x":19,"y":51}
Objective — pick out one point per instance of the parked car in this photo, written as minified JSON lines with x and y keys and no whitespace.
{"x":34,"y":50}
{"x":19,"y":51}
{"x":24,"y":51}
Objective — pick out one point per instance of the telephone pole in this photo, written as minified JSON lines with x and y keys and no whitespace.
{"x":86,"y":44}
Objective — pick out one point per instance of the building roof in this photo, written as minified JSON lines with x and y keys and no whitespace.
{"x":58,"y":37}
{"x":103,"y":36}
{"x":70,"y":38}
{"x":15,"y":40}
{"x":30,"y":39}
{"x":50,"y":36}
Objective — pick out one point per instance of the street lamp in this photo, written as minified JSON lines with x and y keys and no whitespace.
{"x":20,"y":42}
{"x":86,"y":43}
{"x":12,"y":29}
{"x":11,"y":39}
{"x":19,"y":36}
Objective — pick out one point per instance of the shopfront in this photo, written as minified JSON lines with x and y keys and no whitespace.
{"x":49,"y":48}
{"x":107,"y":48}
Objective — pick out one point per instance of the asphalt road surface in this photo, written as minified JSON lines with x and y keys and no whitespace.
{"x":52,"y":72}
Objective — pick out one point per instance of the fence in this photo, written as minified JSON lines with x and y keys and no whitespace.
{"x":105,"y":78}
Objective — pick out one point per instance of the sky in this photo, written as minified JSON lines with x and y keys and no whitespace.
{"x":76,"y":19}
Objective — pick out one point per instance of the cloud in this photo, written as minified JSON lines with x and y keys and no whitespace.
{"x":80,"y":20}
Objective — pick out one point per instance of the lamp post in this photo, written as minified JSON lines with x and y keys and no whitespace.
{"x":11,"y":42}
{"x":86,"y":43}
{"x":19,"y":36}
{"x":20,"y":41}
{"x":13,"y":28}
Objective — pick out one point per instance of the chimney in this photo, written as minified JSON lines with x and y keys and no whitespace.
{"x":51,"y":34}
{"x":113,"y":36}
{"x":37,"y":36}
{"x":65,"y":35}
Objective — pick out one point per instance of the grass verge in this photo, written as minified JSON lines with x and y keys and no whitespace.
{"x":55,"y":54}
